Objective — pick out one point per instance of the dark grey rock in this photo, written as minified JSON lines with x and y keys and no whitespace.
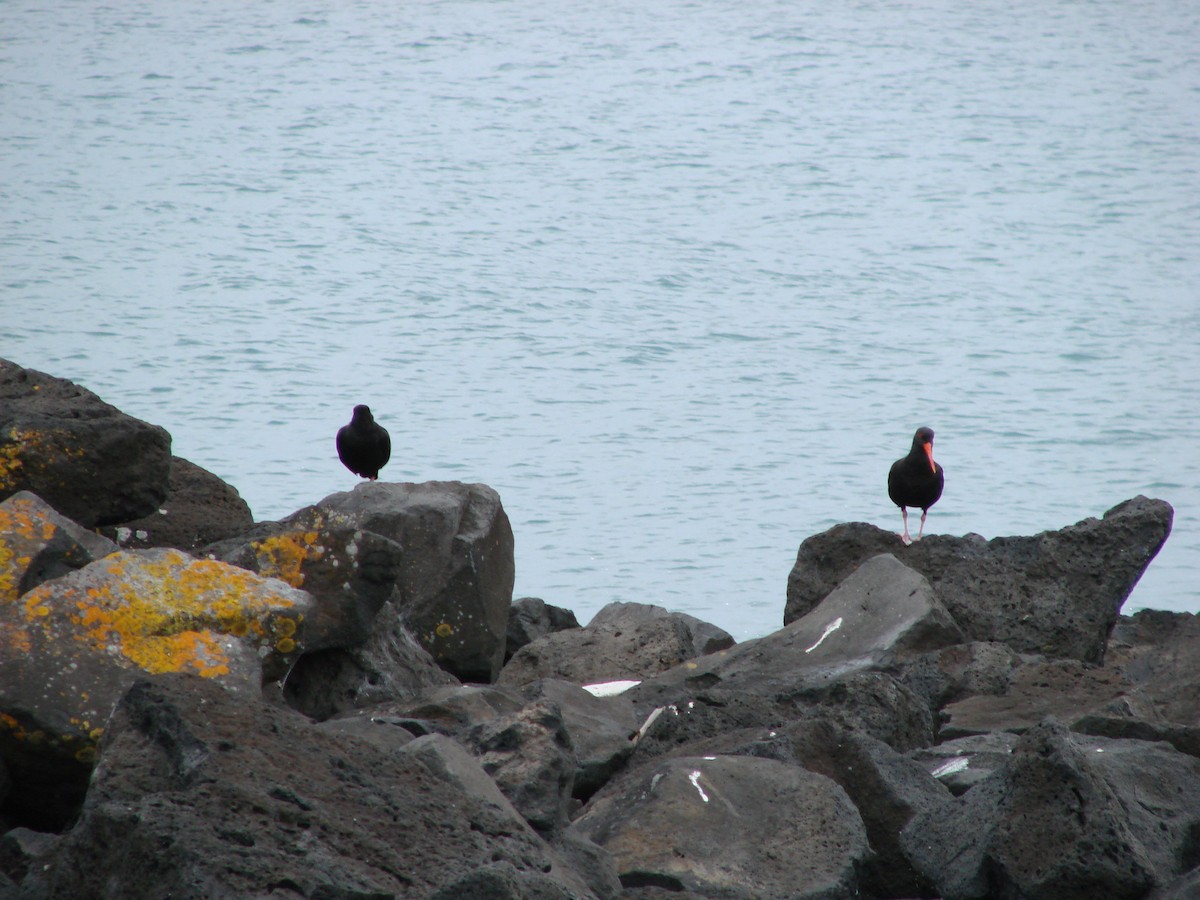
{"x":961,"y":671}
{"x":964,"y":762}
{"x":623,"y":641}
{"x":456,"y":575}
{"x":1057,"y":593}
{"x":350,"y":572}
{"x":87,"y":459}
{"x":1068,"y":817}
{"x":1157,"y":652}
{"x":704,"y":637}
{"x":388,"y":666}
{"x":1063,"y":688}
{"x":872,"y":703}
{"x":37,"y":545}
{"x":199,"y":793}
{"x":884,"y":614}
{"x":449,"y":709}
{"x":530,"y":757}
{"x":530,"y":618}
{"x":730,"y":827}
{"x":200,"y":509}
{"x":601,"y":729}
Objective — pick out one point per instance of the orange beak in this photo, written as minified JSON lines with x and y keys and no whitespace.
{"x":928,"y":445}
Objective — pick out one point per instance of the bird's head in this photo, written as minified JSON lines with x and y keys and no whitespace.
{"x":924,"y":439}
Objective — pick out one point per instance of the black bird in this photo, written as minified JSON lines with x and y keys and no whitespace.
{"x":364,"y":446}
{"x":916,"y":480}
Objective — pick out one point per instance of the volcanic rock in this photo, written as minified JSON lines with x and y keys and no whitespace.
{"x":1068,"y":817}
{"x":88,"y":460}
{"x":729,"y":826}
{"x":1057,"y":593}
{"x":199,"y":510}
{"x":201,"y":794}
{"x":623,"y":641}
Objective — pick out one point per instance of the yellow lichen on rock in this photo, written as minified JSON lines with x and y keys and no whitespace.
{"x":163,"y":611}
{"x":20,"y":528}
{"x":10,"y":461}
{"x":283,"y":555}
{"x":22,"y":445}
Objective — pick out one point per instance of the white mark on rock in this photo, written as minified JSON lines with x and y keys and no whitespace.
{"x":829,"y":629}
{"x":641,"y":732}
{"x":609,"y":688}
{"x":951,"y":766}
{"x":694,"y":778}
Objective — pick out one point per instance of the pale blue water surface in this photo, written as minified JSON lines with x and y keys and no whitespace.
{"x":678,"y":279}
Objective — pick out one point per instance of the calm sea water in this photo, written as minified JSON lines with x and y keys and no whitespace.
{"x":678,"y":279}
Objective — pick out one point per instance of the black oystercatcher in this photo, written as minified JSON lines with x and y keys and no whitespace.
{"x":916,"y":480}
{"x":364,"y":446}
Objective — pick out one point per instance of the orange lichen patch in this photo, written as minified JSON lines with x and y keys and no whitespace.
{"x":15,"y":641}
{"x":162,"y":611}
{"x":21,"y":528}
{"x":444,"y":630}
{"x":10,"y":461}
{"x":283,"y":555}
{"x":21,"y":447}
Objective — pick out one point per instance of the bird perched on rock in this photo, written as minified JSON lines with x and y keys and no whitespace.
{"x":364,"y":445}
{"x":916,"y":480}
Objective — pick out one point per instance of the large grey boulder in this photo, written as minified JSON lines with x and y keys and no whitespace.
{"x":72,"y":646}
{"x":1057,"y":593}
{"x":731,"y":827}
{"x":456,"y":575}
{"x":87,"y":459}
{"x":1069,"y":818}
{"x":883,"y":614}
{"x":201,"y":794}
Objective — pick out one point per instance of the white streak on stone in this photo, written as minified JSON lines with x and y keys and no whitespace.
{"x":641,"y":732}
{"x":829,"y":629}
{"x":951,"y":766}
{"x":694,"y":778}
{"x":609,"y":688}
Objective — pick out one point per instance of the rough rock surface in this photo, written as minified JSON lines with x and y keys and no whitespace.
{"x":700,"y":781}
{"x":1057,"y":593}
{"x":883,"y":612}
{"x":530,"y":756}
{"x":202,"y":794}
{"x":90,"y":461}
{"x":456,"y":576}
{"x":1068,"y":817}
{"x":350,"y":572}
{"x":37,"y":545}
{"x":70,"y":647}
{"x":200,"y":509}
{"x":623,"y":641}
{"x":390,"y":665}
{"x":730,"y":826}
{"x":601,"y":730}
{"x":530,"y":618}
{"x":1063,"y":688}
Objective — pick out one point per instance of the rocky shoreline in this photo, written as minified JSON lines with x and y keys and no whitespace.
{"x":348,"y":703}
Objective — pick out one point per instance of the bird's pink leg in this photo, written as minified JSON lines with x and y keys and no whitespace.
{"x":904,"y":537}
{"x":921,"y":530}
